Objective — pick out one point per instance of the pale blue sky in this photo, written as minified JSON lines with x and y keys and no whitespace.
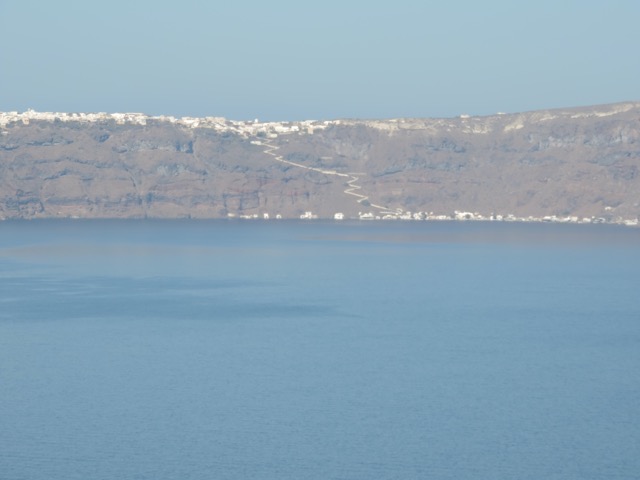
{"x":286,"y":60}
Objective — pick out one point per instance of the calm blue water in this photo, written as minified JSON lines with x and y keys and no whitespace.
{"x":191,"y":350}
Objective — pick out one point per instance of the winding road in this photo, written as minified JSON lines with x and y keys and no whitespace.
{"x":352,"y":189}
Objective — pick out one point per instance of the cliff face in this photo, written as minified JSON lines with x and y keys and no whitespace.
{"x":574,"y":162}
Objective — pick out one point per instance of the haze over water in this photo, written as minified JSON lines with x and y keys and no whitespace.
{"x":277,"y":350}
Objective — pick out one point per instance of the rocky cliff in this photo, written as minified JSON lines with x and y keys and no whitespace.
{"x":581,"y":162}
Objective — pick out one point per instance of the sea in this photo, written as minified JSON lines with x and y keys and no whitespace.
{"x":192,"y":349}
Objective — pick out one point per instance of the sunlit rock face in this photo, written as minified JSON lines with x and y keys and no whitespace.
{"x":563,"y":164}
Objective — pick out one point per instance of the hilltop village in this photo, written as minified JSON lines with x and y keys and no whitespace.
{"x":246,"y":129}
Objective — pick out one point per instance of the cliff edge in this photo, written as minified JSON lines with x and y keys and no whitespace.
{"x":574,"y":163}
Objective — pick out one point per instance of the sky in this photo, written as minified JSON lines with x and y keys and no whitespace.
{"x":296,"y":60}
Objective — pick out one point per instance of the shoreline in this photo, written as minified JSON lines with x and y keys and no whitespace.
{"x":551,"y":220}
